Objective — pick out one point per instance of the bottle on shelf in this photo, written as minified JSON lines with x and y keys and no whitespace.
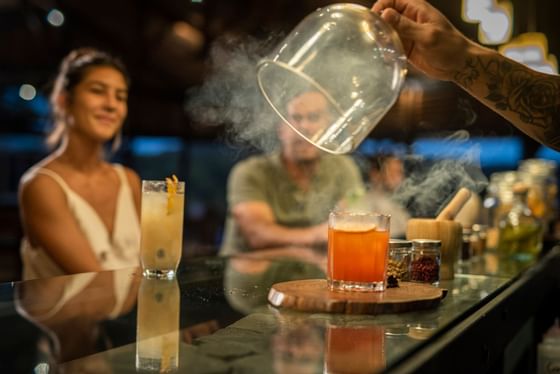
{"x":520,"y":231}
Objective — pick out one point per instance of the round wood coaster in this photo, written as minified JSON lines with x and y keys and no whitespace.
{"x":313,"y":295}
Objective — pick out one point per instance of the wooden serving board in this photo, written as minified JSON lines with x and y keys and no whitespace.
{"x":313,"y":295}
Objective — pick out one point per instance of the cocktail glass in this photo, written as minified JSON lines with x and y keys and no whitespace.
{"x":162,"y":227}
{"x":357,"y":251}
{"x":157,"y":329}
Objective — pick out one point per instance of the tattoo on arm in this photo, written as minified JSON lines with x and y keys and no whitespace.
{"x":534,"y":97}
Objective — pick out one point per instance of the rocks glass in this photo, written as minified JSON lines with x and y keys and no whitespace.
{"x":357,"y":251}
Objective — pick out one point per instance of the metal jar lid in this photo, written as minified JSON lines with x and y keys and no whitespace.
{"x":400,"y":243}
{"x":479,"y":228}
{"x":426,"y":244}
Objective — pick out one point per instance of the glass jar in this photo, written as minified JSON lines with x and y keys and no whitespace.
{"x":498,"y":201}
{"x":540,"y":175}
{"x":425,"y":261}
{"x":520,"y":231}
{"x":466,"y":248}
{"x":479,"y":242}
{"x":499,"y":196}
{"x":399,"y":259}
{"x":536,"y":193}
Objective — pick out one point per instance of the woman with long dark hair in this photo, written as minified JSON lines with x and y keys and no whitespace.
{"x":80,"y":212}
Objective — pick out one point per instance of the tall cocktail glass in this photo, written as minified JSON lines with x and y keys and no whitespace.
{"x":157,"y":325}
{"x":162,"y":227}
{"x":357,"y":251}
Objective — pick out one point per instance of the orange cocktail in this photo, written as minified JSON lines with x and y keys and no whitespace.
{"x":357,"y":252}
{"x":355,"y":349}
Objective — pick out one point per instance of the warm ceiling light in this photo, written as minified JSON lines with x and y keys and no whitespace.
{"x":531,"y":49}
{"x":188,"y":34}
{"x":474,"y":10}
{"x":495,"y":20}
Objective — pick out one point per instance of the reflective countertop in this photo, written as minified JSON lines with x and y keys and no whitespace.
{"x":215,"y":318}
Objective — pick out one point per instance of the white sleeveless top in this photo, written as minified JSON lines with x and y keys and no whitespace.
{"x":119,"y":251}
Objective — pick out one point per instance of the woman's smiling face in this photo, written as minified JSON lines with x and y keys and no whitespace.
{"x":97,"y":106}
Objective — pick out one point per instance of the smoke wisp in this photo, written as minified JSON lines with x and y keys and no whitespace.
{"x":230,"y":95}
{"x":430,"y":185}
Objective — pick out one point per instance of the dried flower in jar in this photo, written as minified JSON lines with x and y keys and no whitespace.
{"x":424,"y":269}
{"x":398,"y":269}
{"x":425,"y":262}
{"x":399,"y":260}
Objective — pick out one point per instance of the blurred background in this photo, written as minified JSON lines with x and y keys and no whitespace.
{"x":167,"y":46}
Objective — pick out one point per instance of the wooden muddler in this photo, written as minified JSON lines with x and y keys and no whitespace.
{"x":455,"y":205}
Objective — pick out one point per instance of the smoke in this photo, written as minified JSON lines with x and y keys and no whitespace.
{"x":430,"y":185}
{"x":230,"y":95}
{"x":465,"y":113}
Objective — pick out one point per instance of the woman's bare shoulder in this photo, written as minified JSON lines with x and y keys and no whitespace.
{"x":37,"y":185}
{"x":132,"y":176}
{"x":33,"y":172}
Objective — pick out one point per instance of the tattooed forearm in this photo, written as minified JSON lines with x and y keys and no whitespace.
{"x":469,"y":74}
{"x":532,"y":97}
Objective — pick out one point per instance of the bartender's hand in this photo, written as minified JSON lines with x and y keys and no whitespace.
{"x":432,"y":44}
{"x":530,"y":100}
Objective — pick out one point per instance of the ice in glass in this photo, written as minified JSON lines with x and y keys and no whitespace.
{"x":162,"y":226}
{"x":357,"y":251}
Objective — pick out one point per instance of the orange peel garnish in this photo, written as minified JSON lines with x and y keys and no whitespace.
{"x":172,"y":184}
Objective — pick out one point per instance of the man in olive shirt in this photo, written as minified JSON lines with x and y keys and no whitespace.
{"x":282,"y":199}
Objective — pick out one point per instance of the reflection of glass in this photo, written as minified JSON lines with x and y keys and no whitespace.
{"x":157,"y":334}
{"x":352,"y":57}
{"x":162,"y":227}
{"x":357,"y":251}
{"x":247,"y":279}
{"x":297,"y":346}
{"x":422,"y":331}
{"x":355,"y":349}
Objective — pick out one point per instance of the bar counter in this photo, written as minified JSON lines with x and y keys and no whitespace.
{"x":490,"y":321}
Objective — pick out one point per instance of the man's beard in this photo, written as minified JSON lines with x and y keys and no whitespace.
{"x":307,"y":162}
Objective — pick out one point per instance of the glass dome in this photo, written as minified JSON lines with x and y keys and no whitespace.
{"x":348,"y":55}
